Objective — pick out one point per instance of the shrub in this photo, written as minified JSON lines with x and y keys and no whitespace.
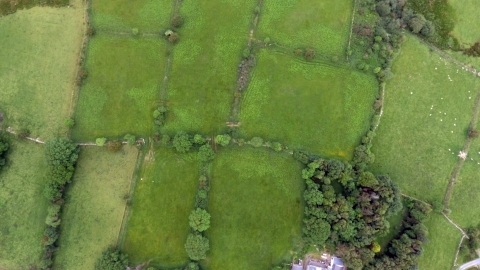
{"x":298,"y":52}
{"x":206,"y":153}
{"x":70,"y":122}
{"x":135,"y":31}
{"x":90,"y":31}
{"x":474,"y":133}
{"x":199,"y":139}
{"x":266,"y":40}
{"x":100,"y":141}
{"x":52,"y":191}
{"x":223,"y":140}
{"x":309,"y":54}
{"x":192,"y":266}
{"x":256,"y":142}
{"x":367,"y":179}
{"x":173,"y":38}
{"x":45,"y":263}
{"x":130,"y":139}
{"x":416,"y":23}
{"x":199,"y":220}
{"x":277,"y":146}
{"x":197,"y":247}
{"x":114,"y":146}
{"x":4,"y":146}
{"x":23,"y":133}
{"x":112,"y":260}
{"x":375,"y":247}
{"x":177,"y":21}
{"x":246,"y":53}
{"x":182,"y":142}
{"x":52,"y":218}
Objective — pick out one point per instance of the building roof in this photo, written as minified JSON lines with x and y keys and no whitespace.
{"x":297,"y":267}
{"x":337,"y":264}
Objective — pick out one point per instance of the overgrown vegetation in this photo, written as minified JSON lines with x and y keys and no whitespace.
{"x":8,"y":7}
{"x":4,"y":146}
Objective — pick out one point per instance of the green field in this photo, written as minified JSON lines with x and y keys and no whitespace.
{"x":468,"y":21}
{"x":256,"y":206}
{"x":22,"y":206}
{"x":205,"y":63}
{"x":417,"y":150}
{"x":122,"y":87}
{"x":439,"y":252}
{"x":123,"y":15}
{"x":323,"y":25}
{"x":164,"y":196}
{"x":39,"y":50}
{"x":313,"y":106}
{"x":93,"y":214}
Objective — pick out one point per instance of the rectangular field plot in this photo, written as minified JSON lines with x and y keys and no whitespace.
{"x":164,"y":196}
{"x":93,"y":214}
{"x":121,"y":90}
{"x":38,"y":55}
{"x":428,"y":106}
{"x":256,"y":209}
{"x":23,"y":207}
{"x":322,"y":24}
{"x":322,"y":109}
{"x":205,"y":64}
{"x":123,"y":15}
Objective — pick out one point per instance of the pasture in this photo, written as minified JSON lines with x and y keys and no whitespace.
{"x":124,"y":15}
{"x":256,"y":206}
{"x":22,"y":206}
{"x":323,"y":25}
{"x":39,"y":50}
{"x":428,"y":106}
{"x":317,"y":107}
{"x":467,"y":21}
{"x":122,"y":87}
{"x":205,"y":63}
{"x":164,"y":196}
{"x":95,"y":205}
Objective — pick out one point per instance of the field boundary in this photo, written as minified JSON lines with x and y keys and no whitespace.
{"x":351,"y":27}
{"x":131,"y":192}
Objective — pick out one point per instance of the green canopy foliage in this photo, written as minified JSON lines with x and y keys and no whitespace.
{"x":199,"y":220}
{"x":112,"y":260}
{"x":197,"y":246}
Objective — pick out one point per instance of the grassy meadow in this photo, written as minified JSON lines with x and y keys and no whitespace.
{"x":323,"y":25}
{"x":164,"y":196}
{"x":22,"y":206}
{"x":122,"y":87}
{"x":320,"y":108}
{"x":467,"y":21}
{"x":93,"y":213}
{"x":256,"y":206}
{"x":428,"y":106}
{"x":123,"y":15}
{"x":205,"y":63}
{"x":39,"y":50}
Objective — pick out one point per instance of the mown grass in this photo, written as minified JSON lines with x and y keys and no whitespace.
{"x":320,"y":108}
{"x":467,"y":21}
{"x":439,"y":252}
{"x":22,"y":206}
{"x":323,"y":25}
{"x":417,"y":150}
{"x":256,"y":206}
{"x":466,"y":191}
{"x":123,"y":15}
{"x":122,"y":87}
{"x":164,"y":196}
{"x":205,"y":63}
{"x":39,"y":50}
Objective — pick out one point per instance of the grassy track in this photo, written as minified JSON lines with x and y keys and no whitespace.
{"x":439,"y":252}
{"x":324,"y":24}
{"x":22,"y":206}
{"x":468,"y":21}
{"x":256,"y":207}
{"x":123,"y":15}
{"x":164,"y":196}
{"x":320,"y":108}
{"x":39,"y":50}
{"x":121,"y":90}
{"x":417,"y":150}
{"x":94,"y":210}
{"x":205,"y":64}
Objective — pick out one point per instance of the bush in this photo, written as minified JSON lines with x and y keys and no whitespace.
{"x":197,"y":247}
{"x":182,"y":142}
{"x":277,"y":146}
{"x":130,"y":139}
{"x":199,"y":139}
{"x":114,"y":146}
{"x":474,"y":133}
{"x":199,"y":220}
{"x":90,"y":31}
{"x":52,"y":218}
{"x":206,"y":153}
{"x":4,"y":146}
{"x":52,"y":191}
{"x":100,"y":141}
{"x":246,"y":53}
{"x":135,"y":31}
{"x":112,"y":260}
{"x":23,"y":133}
{"x":177,"y":21}
{"x":192,"y":266}
{"x":45,"y":263}
{"x":256,"y":142}
{"x":223,"y":140}
{"x":173,"y":38}
{"x":376,"y":247}
{"x":70,"y":123}
{"x":309,"y":54}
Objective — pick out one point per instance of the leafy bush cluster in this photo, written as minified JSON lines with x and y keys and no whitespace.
{"x":470,"y":245}
{"x":4,"y":146}
{"x":184,"y":142}
{"x":61,"y":156}
{"x":159,"y":116}
{"x":258,"y":142}
{"x":112,"y":259}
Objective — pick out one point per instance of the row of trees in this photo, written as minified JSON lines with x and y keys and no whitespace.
{"x":61,"y":156}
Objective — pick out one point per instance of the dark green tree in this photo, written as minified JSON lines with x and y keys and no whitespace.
{"x":112,"y":259}
{"x":182,"y":142}
{"x":197,"y":247}
{"x":206,"y":153}
{"x":199,"y":220}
